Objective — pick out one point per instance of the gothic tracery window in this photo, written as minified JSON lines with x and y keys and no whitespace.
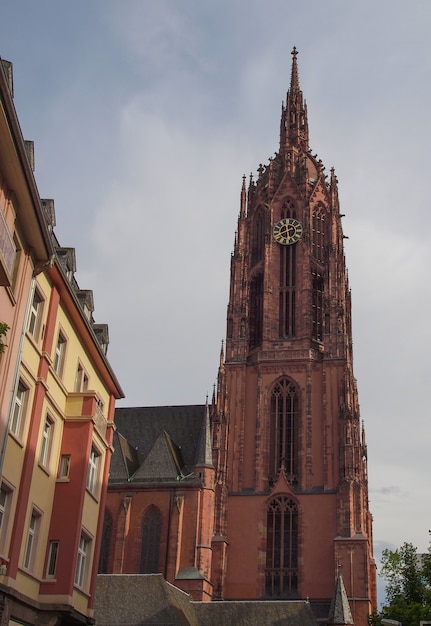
{"x":317,"y":306}
{"x":150,"y":547}
{"x":284,"y":430}
{"x":281,"y":572}
{"x":318,"y":233}
{"x":256,"y":310}
{"x":258,"y":237}
{"x":287,"y":296}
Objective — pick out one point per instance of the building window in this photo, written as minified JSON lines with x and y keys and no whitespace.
{"x":45,"y":446}
{"x":19,"y":407}
{"x":317,"y":307}
{"x":32,"y":536}
{"x":93,"y":470}
{"x":258,"y":237}
{"x":81,"y":379}
{"x":82,"y":561}
{"x":287,"y":294}
{"x":150,"y":548}
{"x":3,"y":506}
{"x":7,"y":249}
{"x":35,"y":317}
{"x":281,"y":573}
{"x":60,"y":351}
{"x":18,"y":255}
{"x":318,"y":233}
{"x":5,"y":498}
{"x":284,"y":431}
{"x":256,"y":310}
{"x":64,"y":467}
{"x":52,"y":559}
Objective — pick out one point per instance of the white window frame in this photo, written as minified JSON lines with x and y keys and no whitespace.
{"x":32,"y":539}
{"x":64,"y":467}
{"x":93,"y":470}
{"x":35,"y":317}
{"x":83,"y":559}
{"x":46,"y":441}
{"x":5,"y":504}
{"x":60,"y":353}
{"x":19,"y":407}
{"x":81,"y":379}
{"x":51,"y":563}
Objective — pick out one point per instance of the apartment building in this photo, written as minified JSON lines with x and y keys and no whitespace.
{"x":58,"y":394}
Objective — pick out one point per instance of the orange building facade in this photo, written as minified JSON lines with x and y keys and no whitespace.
{"x":286,"y":483}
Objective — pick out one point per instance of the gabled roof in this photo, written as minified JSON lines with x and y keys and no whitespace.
{"x":163,"y":463}
{"x":141,"y":599}
{"x":157,"y":444}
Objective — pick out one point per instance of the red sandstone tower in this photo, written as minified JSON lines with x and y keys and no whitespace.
{"x":288,"y":445}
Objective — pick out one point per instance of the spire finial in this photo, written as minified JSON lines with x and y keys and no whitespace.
{"x":294,"y":80}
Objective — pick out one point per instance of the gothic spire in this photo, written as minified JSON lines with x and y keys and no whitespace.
{"x":294,"y":122}
{"x":204,"y":451}
{"x":243,"y":199}
{"x":340,"y":613}
{"x":294,"y":79}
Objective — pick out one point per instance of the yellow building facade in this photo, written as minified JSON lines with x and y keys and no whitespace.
{"x":58,"y":395}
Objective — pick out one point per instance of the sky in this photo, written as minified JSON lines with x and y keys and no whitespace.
{"x":146,"y":115}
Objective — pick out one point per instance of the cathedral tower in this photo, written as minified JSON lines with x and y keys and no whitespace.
{"x":288,"y":445}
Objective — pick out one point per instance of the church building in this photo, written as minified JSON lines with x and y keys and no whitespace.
{"x":262,"y":493}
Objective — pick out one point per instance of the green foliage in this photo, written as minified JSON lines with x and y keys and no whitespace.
{"x":403,"y":574}
{"x":375,"y":619}
{"x":3,"y":331}
{"x":408,"y":590}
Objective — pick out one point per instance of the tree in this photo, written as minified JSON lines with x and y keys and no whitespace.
{"x":408,"y":590}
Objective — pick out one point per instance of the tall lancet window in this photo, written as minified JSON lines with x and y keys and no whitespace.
{"x":317,"y":306}
{"x":284,"y":431}
{"x":258,"y":237}
{"x":150,"y":547}
{"x":256,"y":310}
{"x":287,"y":296}
{"x":281,"y":572}
{"x":318,"y":233}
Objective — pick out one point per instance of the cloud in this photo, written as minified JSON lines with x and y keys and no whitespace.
{"x":145,"y":121}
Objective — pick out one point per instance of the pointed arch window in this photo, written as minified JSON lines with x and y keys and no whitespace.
{"x":287,"y":295}
{"x":281,"y":572}
{"x":256,"y":310}
{"x":284,"y":431}
{"x":318,"y":233}
{"x":317,"y":306}
{"x":150,"y":547}
{"x":258,"y":237}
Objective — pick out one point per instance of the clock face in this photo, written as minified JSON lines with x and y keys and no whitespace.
{"x":287,"y":231}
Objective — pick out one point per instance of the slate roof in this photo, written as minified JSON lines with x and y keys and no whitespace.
{"x":139,"y":599}
{"x":254,"y":613}
{"x":158,"y":444}
{"x":340,"y":613}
